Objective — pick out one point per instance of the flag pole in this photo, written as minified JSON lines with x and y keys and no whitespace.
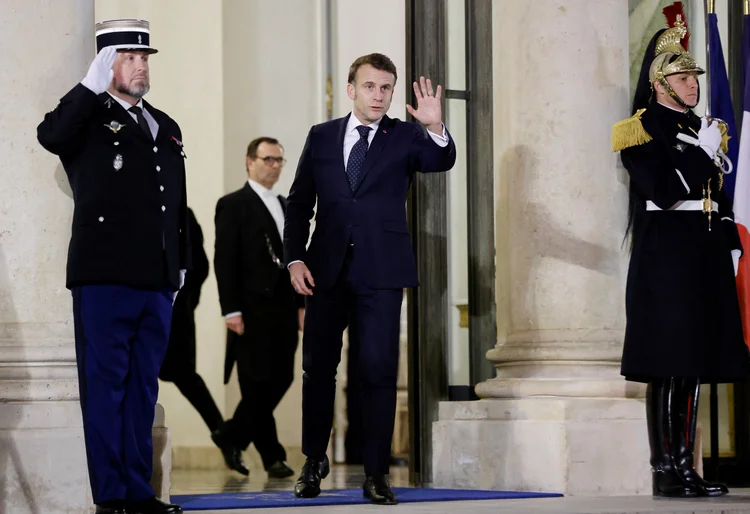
{"x":708,"y":8}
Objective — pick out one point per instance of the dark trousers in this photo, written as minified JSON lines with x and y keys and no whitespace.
{"x":265,"y":370}
{"x":375,"y":316}
{"x":353,"y":440}
{"x":121,"y":338}
{"x":179,"y":363}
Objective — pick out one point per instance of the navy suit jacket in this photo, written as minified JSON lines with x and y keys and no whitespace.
{"x":373,"y":215}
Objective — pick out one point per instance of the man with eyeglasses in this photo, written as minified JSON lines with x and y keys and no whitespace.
{"x":262,"y":311}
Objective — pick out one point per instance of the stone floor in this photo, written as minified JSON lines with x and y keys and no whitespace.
{"x":343,"y":477}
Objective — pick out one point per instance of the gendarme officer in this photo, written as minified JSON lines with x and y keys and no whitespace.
{"x":128,"y":251}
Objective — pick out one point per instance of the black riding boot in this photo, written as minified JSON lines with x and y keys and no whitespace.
{"x":685,"y":418}
{"x":666,"y":480}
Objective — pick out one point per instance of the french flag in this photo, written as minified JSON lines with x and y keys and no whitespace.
{"x":742,"y":190}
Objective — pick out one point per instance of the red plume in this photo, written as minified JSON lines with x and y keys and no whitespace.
{"x":671,"y":12}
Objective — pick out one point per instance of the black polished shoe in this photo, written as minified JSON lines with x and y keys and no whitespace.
{"x":152,"y":506}
{"x":113,"y":507}
{"x":378,"y":491}
{"x":280,"y":469}
{"x":308,"y":483}
{"x":232,"y":454}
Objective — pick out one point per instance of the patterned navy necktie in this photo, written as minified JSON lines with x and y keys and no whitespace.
{"x":357,"y":156}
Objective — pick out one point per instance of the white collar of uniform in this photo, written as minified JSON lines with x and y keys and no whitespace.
{"x":126,"y":105}
{"x":354,"y":122}
{"x":260,"y":189}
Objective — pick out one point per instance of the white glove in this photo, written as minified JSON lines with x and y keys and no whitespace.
{"x":736,"y":260}
{"x":100,"y":73}
{"x":709,"y":137}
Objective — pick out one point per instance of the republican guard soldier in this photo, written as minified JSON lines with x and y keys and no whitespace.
{"x":683,"y":319}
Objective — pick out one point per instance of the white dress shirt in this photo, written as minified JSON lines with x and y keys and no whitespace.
{"x":273,"y":204}
{"x":146,"y":115}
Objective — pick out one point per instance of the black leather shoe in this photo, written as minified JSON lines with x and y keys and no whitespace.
{"x":232,"y":454}
{"x":378,"y":491}
{"x":113,"y":507}
{"x":308,"y":483}
{"x":152,"y":506}
{"x":325,"y":467}
{"x":280,"y":469}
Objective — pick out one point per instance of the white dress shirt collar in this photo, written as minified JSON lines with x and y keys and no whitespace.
{"x":354,"y":122}
{"x":126,"y":105}
{"x":261,"y":190}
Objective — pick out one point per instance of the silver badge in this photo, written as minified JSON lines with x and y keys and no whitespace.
{"x":139,"y":39}
{"x":117,"y":162}
{"x":115,"y":126}
{"x":680,"y":147}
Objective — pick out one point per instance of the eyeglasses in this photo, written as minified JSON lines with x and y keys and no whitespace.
{"x":270,"y":160}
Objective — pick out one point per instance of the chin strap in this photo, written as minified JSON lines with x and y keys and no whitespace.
{"x":675,"y":96}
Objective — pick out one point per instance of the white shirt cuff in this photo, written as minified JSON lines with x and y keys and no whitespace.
{"x":287,"y":266}
{"x":441,"y":141}
{"x":232,"y":315}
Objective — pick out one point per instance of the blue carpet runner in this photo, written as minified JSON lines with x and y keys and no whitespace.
{"x":225,"y":501}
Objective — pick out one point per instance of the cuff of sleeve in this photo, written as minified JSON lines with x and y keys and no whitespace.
{"x":232,"y":315}
{"x":440,"y":140}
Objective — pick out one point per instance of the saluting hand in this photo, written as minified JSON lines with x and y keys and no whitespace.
{"x":100,"y":73}
{"x":429,"y":111}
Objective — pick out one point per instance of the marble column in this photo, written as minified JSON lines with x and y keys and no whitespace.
{"x":558,"y":416}
{"x":47,"y":49}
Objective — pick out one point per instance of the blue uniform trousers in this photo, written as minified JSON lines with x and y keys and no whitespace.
{"x":121,"y":340}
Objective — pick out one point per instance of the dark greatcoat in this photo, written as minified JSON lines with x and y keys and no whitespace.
{"x":683,"y":316}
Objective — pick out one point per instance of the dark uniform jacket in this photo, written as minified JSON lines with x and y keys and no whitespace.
{"x":683,"y":317}
{"x":249,"y":280}
{"x":130,"y":219}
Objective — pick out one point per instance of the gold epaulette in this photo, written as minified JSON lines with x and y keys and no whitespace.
{"x":629,"y":132}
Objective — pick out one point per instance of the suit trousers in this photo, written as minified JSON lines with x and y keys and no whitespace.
{"x":265,"y":370}
{"x":375,"y":316}
{"x":121,"y":337}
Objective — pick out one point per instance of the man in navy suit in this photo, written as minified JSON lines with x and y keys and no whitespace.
{"x":359,"y":169}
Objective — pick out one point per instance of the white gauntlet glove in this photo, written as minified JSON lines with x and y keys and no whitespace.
{"x":100,"y":72}
{"x":709,"y":138}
